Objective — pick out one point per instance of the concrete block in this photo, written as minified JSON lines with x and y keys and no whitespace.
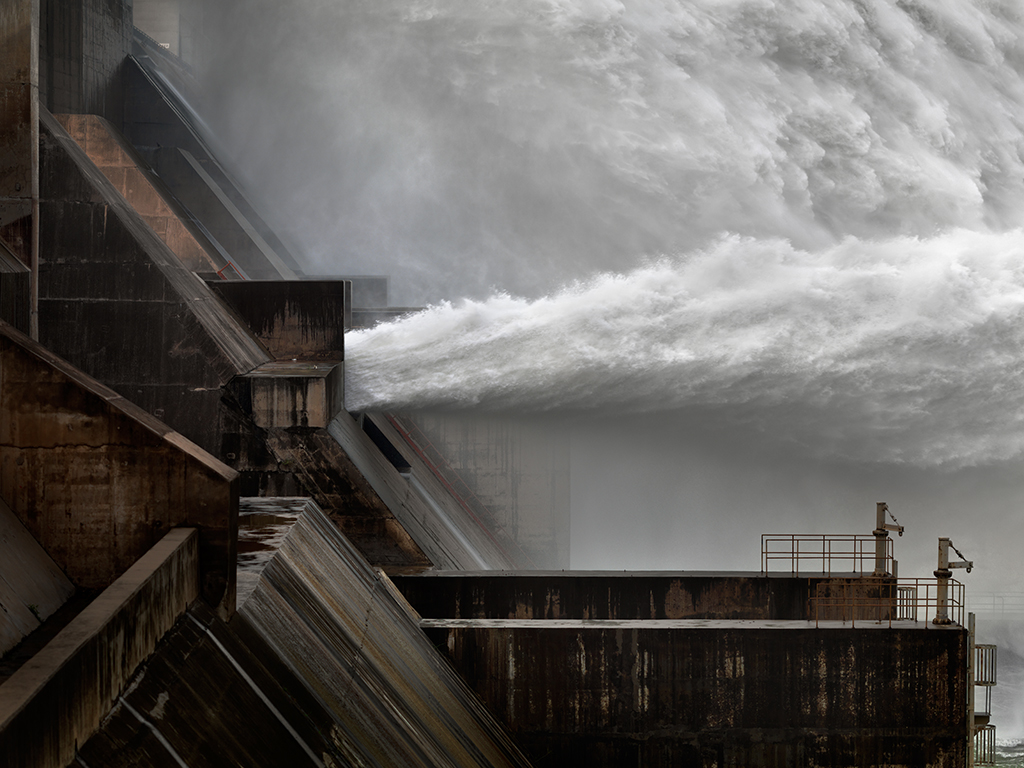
{"x":292,"y":394}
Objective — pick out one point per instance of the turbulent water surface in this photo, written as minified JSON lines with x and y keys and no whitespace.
{"x":826,"y":198}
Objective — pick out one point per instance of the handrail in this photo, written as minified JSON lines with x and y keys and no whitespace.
{"x":855,"y":553}
{"x":984,"y":664}
{"x":985,"y":745}
{"x":884,"y":601}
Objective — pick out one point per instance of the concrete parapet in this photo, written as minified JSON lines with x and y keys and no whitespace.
{"x":718,"y":693}
{"x":98,"y":481}
{"x":611,"y":595}
{"x":56,"y":701}
{"x":295,"y":319}
{"x":292,"y":394}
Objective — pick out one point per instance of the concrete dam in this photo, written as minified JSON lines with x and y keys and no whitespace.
{"x":206,"y":559}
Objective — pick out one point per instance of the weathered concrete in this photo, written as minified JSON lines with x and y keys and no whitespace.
{"x":292,"y":394}
{"x":56,"y":701}
{"x":15,"y":287}
{"x":324,"y":664}
{"x":121,"y":306}
{"x":158,"y":124}
{"x":122,"y":166}
{"x":83,"y":45}
{"x":97,"y":481}
{"x":609,"y":595}
{"x":395,"y":700}
{"x":32,"y":587}
{"x":295,"y":319}
{"x":442,"y":527}
{"x":585,"y":693}
{"x":305,"y":461}
{"x":19,"y":154}
{"x":513,"y":473}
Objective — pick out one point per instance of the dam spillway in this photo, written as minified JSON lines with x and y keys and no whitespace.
{"x":279,"y":579}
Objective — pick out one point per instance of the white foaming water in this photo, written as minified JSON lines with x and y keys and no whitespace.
{"x":906,"y":350}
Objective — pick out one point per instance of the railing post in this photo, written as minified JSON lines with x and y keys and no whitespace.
{"x":942,"y":574}
{"x":970,"y":690}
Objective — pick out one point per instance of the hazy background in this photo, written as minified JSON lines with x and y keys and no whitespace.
{"x":763,"y":259}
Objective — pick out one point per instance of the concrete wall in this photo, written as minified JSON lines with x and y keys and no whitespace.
{"x":97,"y":481}
{"x":118,"y":161}
{"x":117,"y":303}
{"x":160,"y":125}
{"x":82,"y":48}
{"x":720,"y":694}
{"x":303,"y":320}
{"x":55,"y":702}
{"x":513,"y":472}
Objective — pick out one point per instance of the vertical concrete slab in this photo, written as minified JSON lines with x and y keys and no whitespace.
{"x":19,"y":136}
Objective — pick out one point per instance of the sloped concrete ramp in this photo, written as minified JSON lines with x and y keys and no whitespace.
{"x":324,"y":664}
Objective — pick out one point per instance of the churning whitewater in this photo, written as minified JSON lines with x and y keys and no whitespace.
{"x":907,"y":350}
{"x":804,"y":217}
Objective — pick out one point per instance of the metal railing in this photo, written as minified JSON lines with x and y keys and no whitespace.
{"x":884,"y":601}
{"x":984,"y":664}
{"x":831,"y":554}
{"x":998,"y":604}
{"x":985,"y":745}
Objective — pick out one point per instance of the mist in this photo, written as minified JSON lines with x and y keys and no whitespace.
{"x":763,"y":259}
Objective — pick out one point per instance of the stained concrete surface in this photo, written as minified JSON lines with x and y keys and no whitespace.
{"x":32,"y":587}
{"x":97,"y":481}
{"x":56,"y":700}
{"x":703,"y":693}
{"x":324,"y":664}
{"x":124,"y":169}
{"x":116,"y":302}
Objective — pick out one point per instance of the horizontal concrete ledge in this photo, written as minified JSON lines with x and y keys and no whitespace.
{"x":58,"y":698}
{"x":574,"y":575}
{"x":670,"y":624}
